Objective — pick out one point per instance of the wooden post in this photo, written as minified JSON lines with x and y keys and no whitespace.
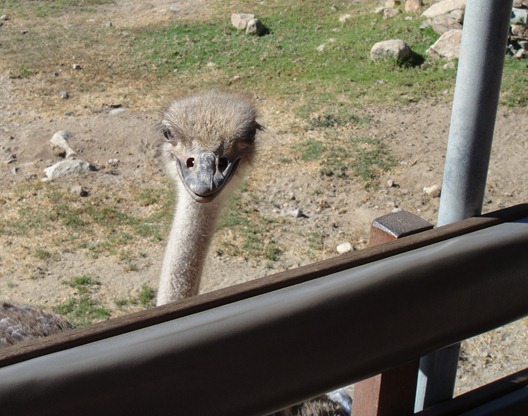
{"x":391,"y":393}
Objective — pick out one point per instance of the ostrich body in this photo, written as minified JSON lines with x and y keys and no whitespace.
{"x":209,"y":145}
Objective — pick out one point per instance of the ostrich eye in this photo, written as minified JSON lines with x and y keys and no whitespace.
{"x":168,"y":135}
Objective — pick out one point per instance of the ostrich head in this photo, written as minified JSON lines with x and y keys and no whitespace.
{"x":209,"y":138}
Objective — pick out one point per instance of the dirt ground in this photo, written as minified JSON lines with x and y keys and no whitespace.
{"x":338,"y":210}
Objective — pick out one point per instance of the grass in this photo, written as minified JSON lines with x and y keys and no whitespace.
{"x":286,"y":63}
{"x":83,"y":308}
{"x":360,"y":158}
{"x":101,"y":225}
{"x":252,"y":228}
{"x":145,"y":298}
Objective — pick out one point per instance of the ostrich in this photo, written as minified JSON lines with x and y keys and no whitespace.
{"x":209,"y":146}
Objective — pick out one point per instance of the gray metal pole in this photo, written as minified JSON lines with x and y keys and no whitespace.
{"x":484,"y":38}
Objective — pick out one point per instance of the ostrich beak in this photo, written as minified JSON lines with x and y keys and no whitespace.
{"x":205,"y":174}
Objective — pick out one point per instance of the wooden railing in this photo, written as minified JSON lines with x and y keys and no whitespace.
{"x":257,"y":347}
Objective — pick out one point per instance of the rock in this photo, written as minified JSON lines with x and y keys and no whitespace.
{"x":113,"y":162}
{"x":344,"y":17}
{"x":241,"y":20}
{"x":446,"y":22}
{"x":116,"y":111}
{"x":254,"y":27}
{"x":60,"y":140}
{"x":392,"y":3}
{"x":519,"y":30}
{"x":413,"y":5}
{"x":79,"y":191}
{"x":320,"y":48}
{"x":447,"y":46}
{"x":11,"y":159}
{"x":65,"y":168}
{"x":345,"y":247}
{"x":520,"y":54}
{"x":519,"y":16}
{"x":76,"y":67}
{"x":64,"y":95}
{"x":390,"y":13}
{"x":4,"y":17}
{"x":433,"y":191}
{"x":393,"y":48}
{"x":296,"y":213}
{"x":444,"y":7}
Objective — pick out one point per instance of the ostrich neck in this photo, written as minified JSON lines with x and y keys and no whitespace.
{"x":189,"y":239}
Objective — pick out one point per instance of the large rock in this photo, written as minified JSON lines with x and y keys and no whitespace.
{"x":447,"y":46}
{"x":392,"y":48}
{"x":444,"y":7}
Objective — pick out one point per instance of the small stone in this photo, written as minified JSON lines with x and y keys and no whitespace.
{"x":11,"y":159}
{"x":79,"y":190}
{"x":4,"y":17}
{"x":320,"y":48}
{"x":390,"y":183}
{"x":345,"y":247}
{"x":15,"y":170}
{"x":241,"y":20}
{"x":413,"y":5}
{"x":390,"y":13}
{"x":296,"y":213}
{"x":392,"y":3}
{"x":113,"y":162}
{"x":345,"y":17}
{"x":64,"y":95}
{"x":116,"y":111}
{"x":254,"y":27}
{"x":55,"y":74}
{"x":433,"y":191}
{"x":520,"y":54}
{"x":109,"y":24}
{"x":76,"y":67}
{"x":60,"y":140}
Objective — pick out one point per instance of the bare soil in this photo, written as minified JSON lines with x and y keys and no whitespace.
{"x":335,"y":209}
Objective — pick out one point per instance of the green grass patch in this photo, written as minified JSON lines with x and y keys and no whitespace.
{"x":287,"y":61}
{"x":48,"y":8}
{"x":146,"y":298}
{"x":364,"y":158}
{"x":253,"y":229}
{"x":83,"y":308}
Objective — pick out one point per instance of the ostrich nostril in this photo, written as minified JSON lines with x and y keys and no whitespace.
{"x":190,"y":162}
{"x":222,"y":164}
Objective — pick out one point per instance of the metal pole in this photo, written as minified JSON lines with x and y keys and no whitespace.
{"x":486,"y":25}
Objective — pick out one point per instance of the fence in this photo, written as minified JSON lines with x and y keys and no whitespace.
{"x":260,"y":346}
